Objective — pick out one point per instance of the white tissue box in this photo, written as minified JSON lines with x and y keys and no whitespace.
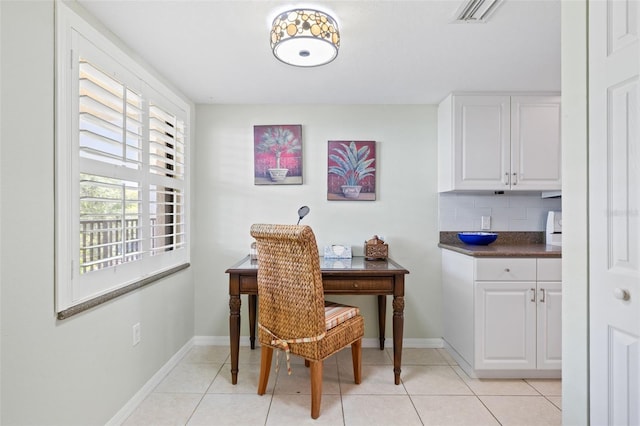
{"x":337,"y":251}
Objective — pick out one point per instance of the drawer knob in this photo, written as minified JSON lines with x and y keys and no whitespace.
{"x":621,"y":294}
{"x":507,"y":270}
{"x":355,"y":285}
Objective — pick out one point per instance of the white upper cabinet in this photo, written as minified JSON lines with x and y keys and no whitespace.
{"x":499,"y":143}
{"x":535,"y":143}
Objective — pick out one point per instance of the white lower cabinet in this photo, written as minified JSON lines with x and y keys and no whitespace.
{"x":503,"y":315}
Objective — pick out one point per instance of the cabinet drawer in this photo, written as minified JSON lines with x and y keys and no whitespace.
{"x":382,"y":284}
{"x":550,"y":269}
{"x":506,"y":269}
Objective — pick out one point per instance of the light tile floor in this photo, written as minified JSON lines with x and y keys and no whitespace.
{"x":434,"y":391}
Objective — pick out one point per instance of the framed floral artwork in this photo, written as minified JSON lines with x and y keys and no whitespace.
{"x":277,"y":154}
{"x":351,"y":174}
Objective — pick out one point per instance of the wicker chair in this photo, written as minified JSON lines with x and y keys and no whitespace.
{"x":291,"y":314}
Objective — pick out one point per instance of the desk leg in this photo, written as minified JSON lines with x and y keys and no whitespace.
{"x":234,"y":333}
{"x":382,"y":315}
{"x":398,"y":327}
{"x":253,"y":299}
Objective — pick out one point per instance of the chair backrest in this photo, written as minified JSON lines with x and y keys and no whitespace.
{"x":291,"y":296}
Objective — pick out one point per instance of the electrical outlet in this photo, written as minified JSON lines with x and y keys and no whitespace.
{"x":136,"y":333}
{"x":486,"y":223}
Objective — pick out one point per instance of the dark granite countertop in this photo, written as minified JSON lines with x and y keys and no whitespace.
{"x":508,"y":244}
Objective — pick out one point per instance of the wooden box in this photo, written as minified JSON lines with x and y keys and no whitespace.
{"x":376,"y":251}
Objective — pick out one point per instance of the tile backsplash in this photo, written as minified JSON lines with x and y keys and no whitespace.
{"x":509,"y":212}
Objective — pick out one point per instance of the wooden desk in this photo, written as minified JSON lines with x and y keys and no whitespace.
{"x":339,"y":276}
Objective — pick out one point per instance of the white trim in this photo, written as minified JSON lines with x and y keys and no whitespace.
{"x":433,"y":343}
{"x":151,"y":384}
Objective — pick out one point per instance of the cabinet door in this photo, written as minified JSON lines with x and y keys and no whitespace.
{"x":535,"y":143}
{"x":481,"y":142}
{"x":549,"y":325}
{"x":505,"y":325}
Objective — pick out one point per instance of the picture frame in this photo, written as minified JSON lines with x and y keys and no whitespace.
{"x":351,"y":171}
{"x":277,"y":154}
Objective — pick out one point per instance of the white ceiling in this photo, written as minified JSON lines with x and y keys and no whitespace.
{"x":392,"y":52}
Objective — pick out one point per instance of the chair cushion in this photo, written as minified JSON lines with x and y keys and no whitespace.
{"x":336,"y":313}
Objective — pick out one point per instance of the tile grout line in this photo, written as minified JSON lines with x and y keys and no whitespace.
{"x":273,"y":390}
{"x":485,"y":406}
{"x":412,"y":403}
{"x":205,"y":392}
{"x":340,"y":389}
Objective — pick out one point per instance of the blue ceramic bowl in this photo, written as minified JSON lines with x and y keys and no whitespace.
{"x":477,"y":238}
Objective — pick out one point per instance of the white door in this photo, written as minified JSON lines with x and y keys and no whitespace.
{"x":614,"y":212}
{"x":535,"y":143}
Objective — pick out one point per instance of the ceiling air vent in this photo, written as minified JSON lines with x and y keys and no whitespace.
{"x":477,"y":11}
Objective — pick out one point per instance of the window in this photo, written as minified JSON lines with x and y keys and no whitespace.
{"x":121,"y":170}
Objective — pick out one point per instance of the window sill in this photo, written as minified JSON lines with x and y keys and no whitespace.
{"x":89,"y":304}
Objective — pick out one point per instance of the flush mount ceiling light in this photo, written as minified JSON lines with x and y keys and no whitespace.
{"x":477,"y":11}
{"x":305,"y":37}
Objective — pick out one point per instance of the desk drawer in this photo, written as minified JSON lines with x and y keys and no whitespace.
{"x":372,"y":284}
{"x":248,"y":284}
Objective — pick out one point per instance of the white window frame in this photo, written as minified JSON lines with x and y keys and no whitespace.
{"x":75,"y":292}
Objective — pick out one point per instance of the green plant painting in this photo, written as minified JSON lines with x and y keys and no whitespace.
{"x":351,"y":173}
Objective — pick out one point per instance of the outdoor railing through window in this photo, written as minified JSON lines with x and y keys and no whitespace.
{"x":103,"y":244}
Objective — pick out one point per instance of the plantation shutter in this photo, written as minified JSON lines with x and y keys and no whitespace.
{"x":166,"y":162}
{"x":110,"y":133}
{"x":121,"y":173}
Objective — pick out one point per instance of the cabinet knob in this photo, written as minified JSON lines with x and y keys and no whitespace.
{"x":515,"y":179}
{"x":622,"y":294}
{"x":507,"y":270}
{"x":354,"y":284}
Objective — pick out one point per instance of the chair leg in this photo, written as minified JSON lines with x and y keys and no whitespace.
{"x":307,"y":363}
{"x":356,"y":357}
{"x":316,"y":388}
{"x":266,"y":355}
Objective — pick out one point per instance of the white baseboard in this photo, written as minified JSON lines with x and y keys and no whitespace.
{"x":433,"y":343}
{"x":148,"y":387}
